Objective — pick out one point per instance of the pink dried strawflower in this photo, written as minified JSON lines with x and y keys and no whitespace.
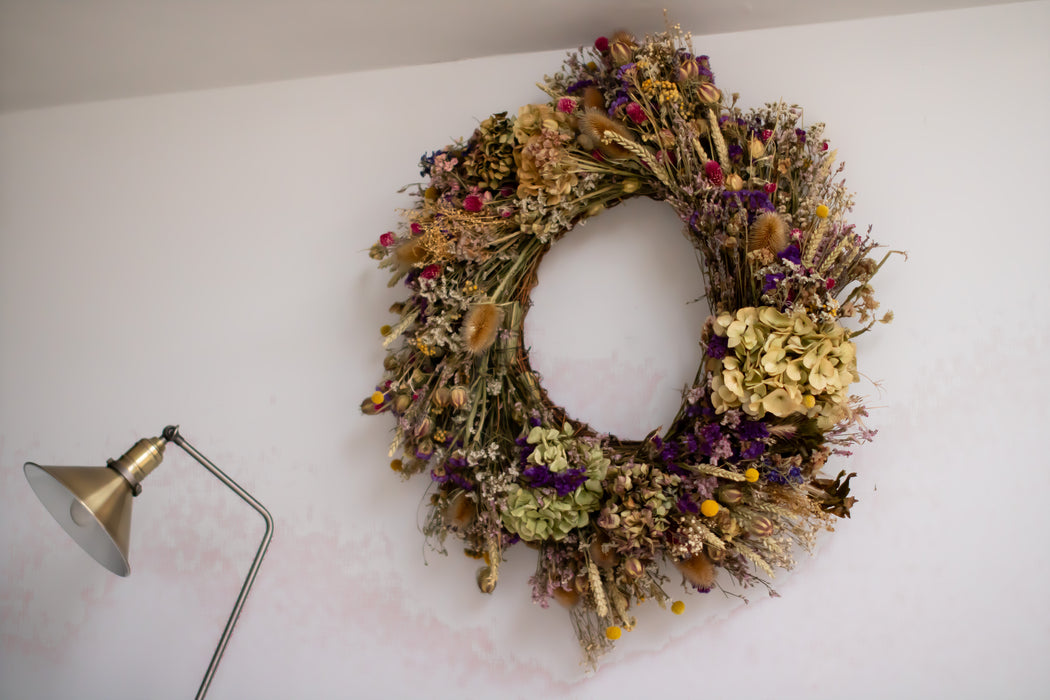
{"x":714,"y":173}
{"x":416,"y":228}
{"x":567,"y":105}
{"x":472,"y":203}
{"x":636,"y":113}
{"x":430,"y":272}
{"x":387,"y":239}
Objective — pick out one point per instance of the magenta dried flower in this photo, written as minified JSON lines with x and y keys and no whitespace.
{"x":430,"y":272}
{"x":567,"y":105}
{"x":602,"y":44}
{"x":714,"y":173}
{"x":387,"y":239}
{"x":472,"y":203}
{"x":636,"y":113}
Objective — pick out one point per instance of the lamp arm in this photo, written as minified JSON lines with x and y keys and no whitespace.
{"x":171,"y":434}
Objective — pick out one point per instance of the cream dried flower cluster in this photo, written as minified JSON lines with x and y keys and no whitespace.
{"x":783,"y":364}
{"x":735,"y":484}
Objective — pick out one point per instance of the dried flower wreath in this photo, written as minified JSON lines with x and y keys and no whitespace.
{"x":734,"y":485}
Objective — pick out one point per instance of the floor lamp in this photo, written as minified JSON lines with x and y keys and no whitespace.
{"x":93,"y":505}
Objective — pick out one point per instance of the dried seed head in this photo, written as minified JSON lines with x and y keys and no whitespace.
{"x":593,"y":98}
{"x":442,"y":396}
{"x":459,"y":396}
{"x":567,"y":599}
{"x":760,"y":526}
{"x":461,"y":512}
{"x":697,"y":570}
{"x":481,"y":326}
{"x":756,"y":148}
{"x":769,"y":232}
{"x":410,"y":253}
{"x":602,"y":558}
{"x":594,"y":123}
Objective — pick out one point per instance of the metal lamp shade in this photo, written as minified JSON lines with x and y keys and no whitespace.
{"x":93,"y":505}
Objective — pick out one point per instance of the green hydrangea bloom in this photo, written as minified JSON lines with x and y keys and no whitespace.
{"x":541,"y":514}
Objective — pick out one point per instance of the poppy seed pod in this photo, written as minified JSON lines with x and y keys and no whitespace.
{"x":730,"y":495}
{"x":760,"y":526}
{"x":402,"y":402}
{"x":442,"y":396}
{"x":687,"y":71}
{"x":459,"y":396}
{"x":709,"y":93}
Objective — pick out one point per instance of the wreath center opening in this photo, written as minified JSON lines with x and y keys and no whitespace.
{"x":615,"y":322}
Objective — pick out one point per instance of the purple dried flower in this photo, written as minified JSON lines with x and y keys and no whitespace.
{"x":717,"y":346}
{"x":791,"y":254}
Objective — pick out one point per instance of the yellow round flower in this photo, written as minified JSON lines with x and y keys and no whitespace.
{"x":396,"y":465}
{"x":377,"y":397}
{"x":384,"y":330}
{"x":710,"y":508}
{"x":823,"y":211}
{"x":678,"y":607}
{"x":613,"y":632}
{"x":751,"y":474}
{"x":809,"y":401}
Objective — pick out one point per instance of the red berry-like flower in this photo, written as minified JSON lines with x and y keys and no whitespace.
{"x":766,"y":134}
{"x":387,"y":239}
{"x":714,"y":173}
{"x":636,"y":113}
{"x":830,"y":284}
{"x":472,"y":203}
{"x":770,"y":187}
{"x":430,"y":272}
{"x":416,"y":228}
{"x":824,"y":146}
{"x":602,"y":44}
{"x":567,"y":105}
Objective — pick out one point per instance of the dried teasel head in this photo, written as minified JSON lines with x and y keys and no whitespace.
{"x":593,"y":98}
{"x":411,"y":252}
{"x":461,"y":511}
{"x":567,"y":599}
{"x":481,"y":326}
{"x":769,"y":232}
{"x":698,"y":570}
{"x":593,"y":125}
{"x":602,"y":558}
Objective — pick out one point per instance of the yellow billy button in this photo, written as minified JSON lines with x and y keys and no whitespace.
{"x":384,"y":330}
{"x":751,"y":474}
{"x":377,"y":397}
{"x":822,"y":211}
{"x":613,"y":632}
{"x":678,"y":607}
{"x":397,"y":465}
{"x":710,"y":508}
{"x":809,"y":401}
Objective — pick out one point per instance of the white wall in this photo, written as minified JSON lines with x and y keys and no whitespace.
{"x":201,"y":258}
